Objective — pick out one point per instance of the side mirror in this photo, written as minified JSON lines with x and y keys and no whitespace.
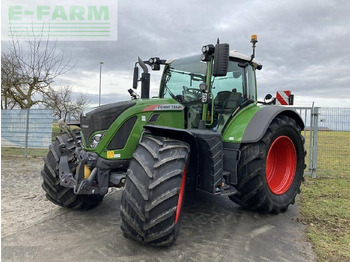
{"x":269,"y":100}
{"x":136,"y":77}
{"x":268,"y":97}
{"x":221,"y":58}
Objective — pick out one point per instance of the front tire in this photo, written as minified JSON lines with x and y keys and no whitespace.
{"x":154,"y":191}
{"x":270,"y":171}
{"x":56,"y":193}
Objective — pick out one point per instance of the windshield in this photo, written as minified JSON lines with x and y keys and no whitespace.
{"x":182,"y":78}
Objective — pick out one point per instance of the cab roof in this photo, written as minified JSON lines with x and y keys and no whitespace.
{"x":233,"y":54}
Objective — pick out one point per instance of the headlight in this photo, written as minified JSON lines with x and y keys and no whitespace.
{"x":95,"y":140}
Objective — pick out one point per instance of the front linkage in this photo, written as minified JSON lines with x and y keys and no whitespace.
{"x":91,"y":176}
{"x":83,"y":181}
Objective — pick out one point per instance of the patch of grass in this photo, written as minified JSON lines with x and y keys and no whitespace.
{"x":56,"y":130}
{"x":17,"y":151}
{"x":333,"y":153}
{"x":325,"y":201}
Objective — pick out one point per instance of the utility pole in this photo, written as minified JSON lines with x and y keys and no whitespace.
{"x":99,"y":93}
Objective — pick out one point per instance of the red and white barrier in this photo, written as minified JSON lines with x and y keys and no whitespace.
{"x":282,"y":97}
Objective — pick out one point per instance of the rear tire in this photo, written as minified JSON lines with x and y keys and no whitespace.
{"x":154,"y":191}
{"x":56,"y":193}
{"x":270,"y":171}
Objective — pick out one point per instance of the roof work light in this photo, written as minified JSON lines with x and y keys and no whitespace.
{"x":207,"y":51}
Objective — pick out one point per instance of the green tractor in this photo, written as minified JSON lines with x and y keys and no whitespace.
{"x":205,"y":131}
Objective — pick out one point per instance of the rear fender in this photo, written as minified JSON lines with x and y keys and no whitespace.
{"x":251,"y":123}
{"x":258,"y":125}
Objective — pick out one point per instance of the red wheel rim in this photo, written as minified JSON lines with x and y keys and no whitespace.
{"x":181,"y":194}
{"x":281,"y":163}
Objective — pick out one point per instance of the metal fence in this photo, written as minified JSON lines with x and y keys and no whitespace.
{"x":333,"y":150}
{"x":310,"y":117}
{"x":327,"y":134}
{"x":30,"y":128}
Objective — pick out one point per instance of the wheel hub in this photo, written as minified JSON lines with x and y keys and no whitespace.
{"x":281,"y":164}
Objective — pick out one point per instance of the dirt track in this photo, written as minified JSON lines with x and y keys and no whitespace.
{"x":213,"y":228}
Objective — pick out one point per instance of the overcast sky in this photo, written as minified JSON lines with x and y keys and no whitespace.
{"x":303,"y":45}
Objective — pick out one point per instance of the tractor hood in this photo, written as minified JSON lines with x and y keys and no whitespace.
{"x":102,"y":117}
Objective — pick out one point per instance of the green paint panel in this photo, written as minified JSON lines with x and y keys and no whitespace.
{"x":167,"y":117}
{"x":235,"y":130}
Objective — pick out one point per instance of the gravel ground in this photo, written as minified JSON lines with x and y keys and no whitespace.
{"x":23,"y":202}
{"x":213,"y":228}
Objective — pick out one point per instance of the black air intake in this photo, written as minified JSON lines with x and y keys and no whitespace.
{"x":120,"y":138}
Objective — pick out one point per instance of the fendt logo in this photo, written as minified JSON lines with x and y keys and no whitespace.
{"x":73,"y":20}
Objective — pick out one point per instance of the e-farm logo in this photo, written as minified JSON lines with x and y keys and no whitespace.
{"x":68,"y":20}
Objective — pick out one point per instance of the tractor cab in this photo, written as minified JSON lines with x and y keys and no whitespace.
{"x":184,"y":80}
{"x":212,"y":86}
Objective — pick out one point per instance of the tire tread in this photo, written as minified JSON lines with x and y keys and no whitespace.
{"x":149,"y":200}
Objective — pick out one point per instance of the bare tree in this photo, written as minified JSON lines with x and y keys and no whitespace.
{"x":29,"y":68}
{"x":10,"y":78}
{"x":62,"y":103}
